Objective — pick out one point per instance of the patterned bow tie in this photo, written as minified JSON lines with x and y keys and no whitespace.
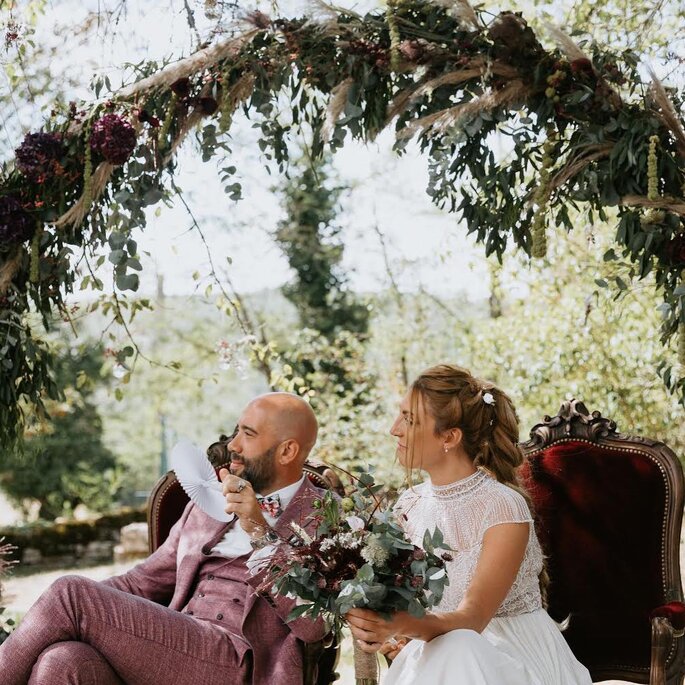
{"x":271,"y":505}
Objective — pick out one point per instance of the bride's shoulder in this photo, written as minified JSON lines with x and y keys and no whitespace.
{"x":506,"y":503}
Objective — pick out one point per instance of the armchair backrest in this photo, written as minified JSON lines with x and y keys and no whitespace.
{"x":608,"y":514}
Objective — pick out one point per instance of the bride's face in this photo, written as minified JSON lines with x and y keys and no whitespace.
{"x":418,"y":447}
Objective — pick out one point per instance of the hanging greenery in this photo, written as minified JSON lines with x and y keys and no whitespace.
{"x":581,"y":128}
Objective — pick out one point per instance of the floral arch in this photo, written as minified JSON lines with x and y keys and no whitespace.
{"x":583,"y":129}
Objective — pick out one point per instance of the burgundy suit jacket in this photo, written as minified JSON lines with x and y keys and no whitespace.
{"x":169,"y":574}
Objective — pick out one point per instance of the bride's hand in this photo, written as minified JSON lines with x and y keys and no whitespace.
{"x":372,"y":630}
{"x":393,"y":646}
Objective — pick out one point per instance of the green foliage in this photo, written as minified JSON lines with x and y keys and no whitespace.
{"x":645,"y":27}
{"x":309,"y":237}
{"x":344,"y":394}
{"x":65,"y":462}
{"x":569,"y":338}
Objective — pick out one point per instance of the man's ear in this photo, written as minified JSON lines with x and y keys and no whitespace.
{"x":289,"y":451}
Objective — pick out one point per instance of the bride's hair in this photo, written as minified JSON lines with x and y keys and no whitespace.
{"x":455,"y":398}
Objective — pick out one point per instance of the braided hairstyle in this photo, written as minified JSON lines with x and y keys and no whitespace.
{"x":455,"y":398}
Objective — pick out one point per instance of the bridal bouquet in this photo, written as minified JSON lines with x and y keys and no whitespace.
{"x":359,"y":557}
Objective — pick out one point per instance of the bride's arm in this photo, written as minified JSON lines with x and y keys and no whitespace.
{"x":503,"y":550}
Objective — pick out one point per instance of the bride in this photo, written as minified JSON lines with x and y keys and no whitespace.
{"x":490,"y":627}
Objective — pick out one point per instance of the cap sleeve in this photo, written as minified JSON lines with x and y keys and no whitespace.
{"x":507,"y":506}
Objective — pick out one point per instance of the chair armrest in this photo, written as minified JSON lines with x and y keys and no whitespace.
{"x":668,"y":622}
{"x":320,"y":660}
{"x":675,"y":613}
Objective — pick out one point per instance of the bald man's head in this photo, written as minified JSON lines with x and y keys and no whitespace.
{"x":288,"y":417}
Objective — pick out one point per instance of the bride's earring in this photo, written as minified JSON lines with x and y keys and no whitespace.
{"x":447,"y":449}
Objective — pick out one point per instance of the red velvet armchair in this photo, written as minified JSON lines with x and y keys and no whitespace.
{"x":165,"y":506}
{"x":608,"y":514}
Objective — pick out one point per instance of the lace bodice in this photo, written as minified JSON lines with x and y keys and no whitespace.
{"x":463,"y":511}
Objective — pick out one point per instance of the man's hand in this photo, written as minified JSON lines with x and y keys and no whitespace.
{"x":242,"y":501}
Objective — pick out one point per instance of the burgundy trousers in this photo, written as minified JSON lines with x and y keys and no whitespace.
{"x":81,"y":632}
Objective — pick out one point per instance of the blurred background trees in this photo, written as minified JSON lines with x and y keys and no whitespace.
{"x":65,"y":460}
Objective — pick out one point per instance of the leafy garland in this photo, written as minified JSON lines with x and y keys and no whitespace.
{"x":580,"y":128}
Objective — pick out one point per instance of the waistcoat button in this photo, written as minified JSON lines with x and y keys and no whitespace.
{"x":236,"y":600}
{"x":200,"y":594}
{"x":219,"y":617}
{"x":189,"y":612}
{"x":210,"y":576}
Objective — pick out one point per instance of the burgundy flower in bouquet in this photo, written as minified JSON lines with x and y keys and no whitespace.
{"x":359,"y":557}
{"x":114,"y":138}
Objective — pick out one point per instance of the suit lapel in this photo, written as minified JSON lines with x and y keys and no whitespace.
{"x":217,"y":530}
{"x":297,"y":511}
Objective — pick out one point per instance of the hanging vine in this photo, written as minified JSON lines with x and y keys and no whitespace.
{"x":582,"y":128}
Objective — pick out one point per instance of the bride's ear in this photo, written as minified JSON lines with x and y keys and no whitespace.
{"x":453,"y":438}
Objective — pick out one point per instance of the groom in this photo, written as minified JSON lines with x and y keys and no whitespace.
{"x":190,"y":612}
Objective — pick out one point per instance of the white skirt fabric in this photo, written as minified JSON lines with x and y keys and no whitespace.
{"x":527,"y":649}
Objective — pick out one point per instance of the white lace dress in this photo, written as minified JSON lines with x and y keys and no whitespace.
{"x":521,"y":645}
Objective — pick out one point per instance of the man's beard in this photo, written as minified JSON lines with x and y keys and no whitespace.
{"x":260,"y":470}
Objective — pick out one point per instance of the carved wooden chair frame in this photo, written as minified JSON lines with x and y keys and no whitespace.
{"x":575,"y":423}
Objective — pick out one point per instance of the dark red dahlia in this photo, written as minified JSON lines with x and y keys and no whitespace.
{"x":16,"y":224}
{"x":372,"y":52}
{"x":144,"y":117}
{"x":39,"y":155}
{"x":181,"y":88}
{"x":207,"y":105}
{"x":582,"y":65}
{"x":114,"y":138}
{"x":674,"y":250}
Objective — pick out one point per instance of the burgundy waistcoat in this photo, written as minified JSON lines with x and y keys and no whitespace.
{"x":221,"y":592}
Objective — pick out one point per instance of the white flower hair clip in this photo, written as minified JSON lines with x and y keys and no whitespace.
{"x":488,"y":398}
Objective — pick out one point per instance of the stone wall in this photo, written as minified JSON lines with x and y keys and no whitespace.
{"x":91,"y":540}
